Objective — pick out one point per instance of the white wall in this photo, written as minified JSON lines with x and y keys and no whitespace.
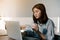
{"x":52,"y":7}
{"x":17,"y":8}
{"x":23,"y":8}
{"x":9,"y":8}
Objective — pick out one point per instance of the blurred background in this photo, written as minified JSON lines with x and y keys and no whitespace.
{"x":23,"y":8}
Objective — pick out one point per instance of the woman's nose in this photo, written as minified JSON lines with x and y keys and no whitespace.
{"x":35,"y":13}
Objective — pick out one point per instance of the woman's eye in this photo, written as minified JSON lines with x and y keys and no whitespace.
{"x":36,"y":11}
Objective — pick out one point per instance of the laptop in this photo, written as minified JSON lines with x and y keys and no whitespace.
{"x":13,"y":30}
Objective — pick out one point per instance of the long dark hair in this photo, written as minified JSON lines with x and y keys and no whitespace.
{"x":43,"y":19}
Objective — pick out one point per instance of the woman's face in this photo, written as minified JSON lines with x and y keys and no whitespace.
{"x":36,"y":13}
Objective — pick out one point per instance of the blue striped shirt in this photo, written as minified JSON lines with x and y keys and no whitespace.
{"x":50,"y":29}
{"x":49,"y":26}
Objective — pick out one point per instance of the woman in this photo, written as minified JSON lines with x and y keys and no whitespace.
{"x":44,"y":27}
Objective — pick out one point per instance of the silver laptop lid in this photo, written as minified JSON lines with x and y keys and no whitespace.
{"x":13,"y":30}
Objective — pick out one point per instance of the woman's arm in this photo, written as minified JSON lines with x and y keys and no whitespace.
{"x":36,"y":29}
{"x":42,"y":36}
{"x":50,"y":33}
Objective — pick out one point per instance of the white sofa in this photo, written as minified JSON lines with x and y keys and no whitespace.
{"x":29,"y":21}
